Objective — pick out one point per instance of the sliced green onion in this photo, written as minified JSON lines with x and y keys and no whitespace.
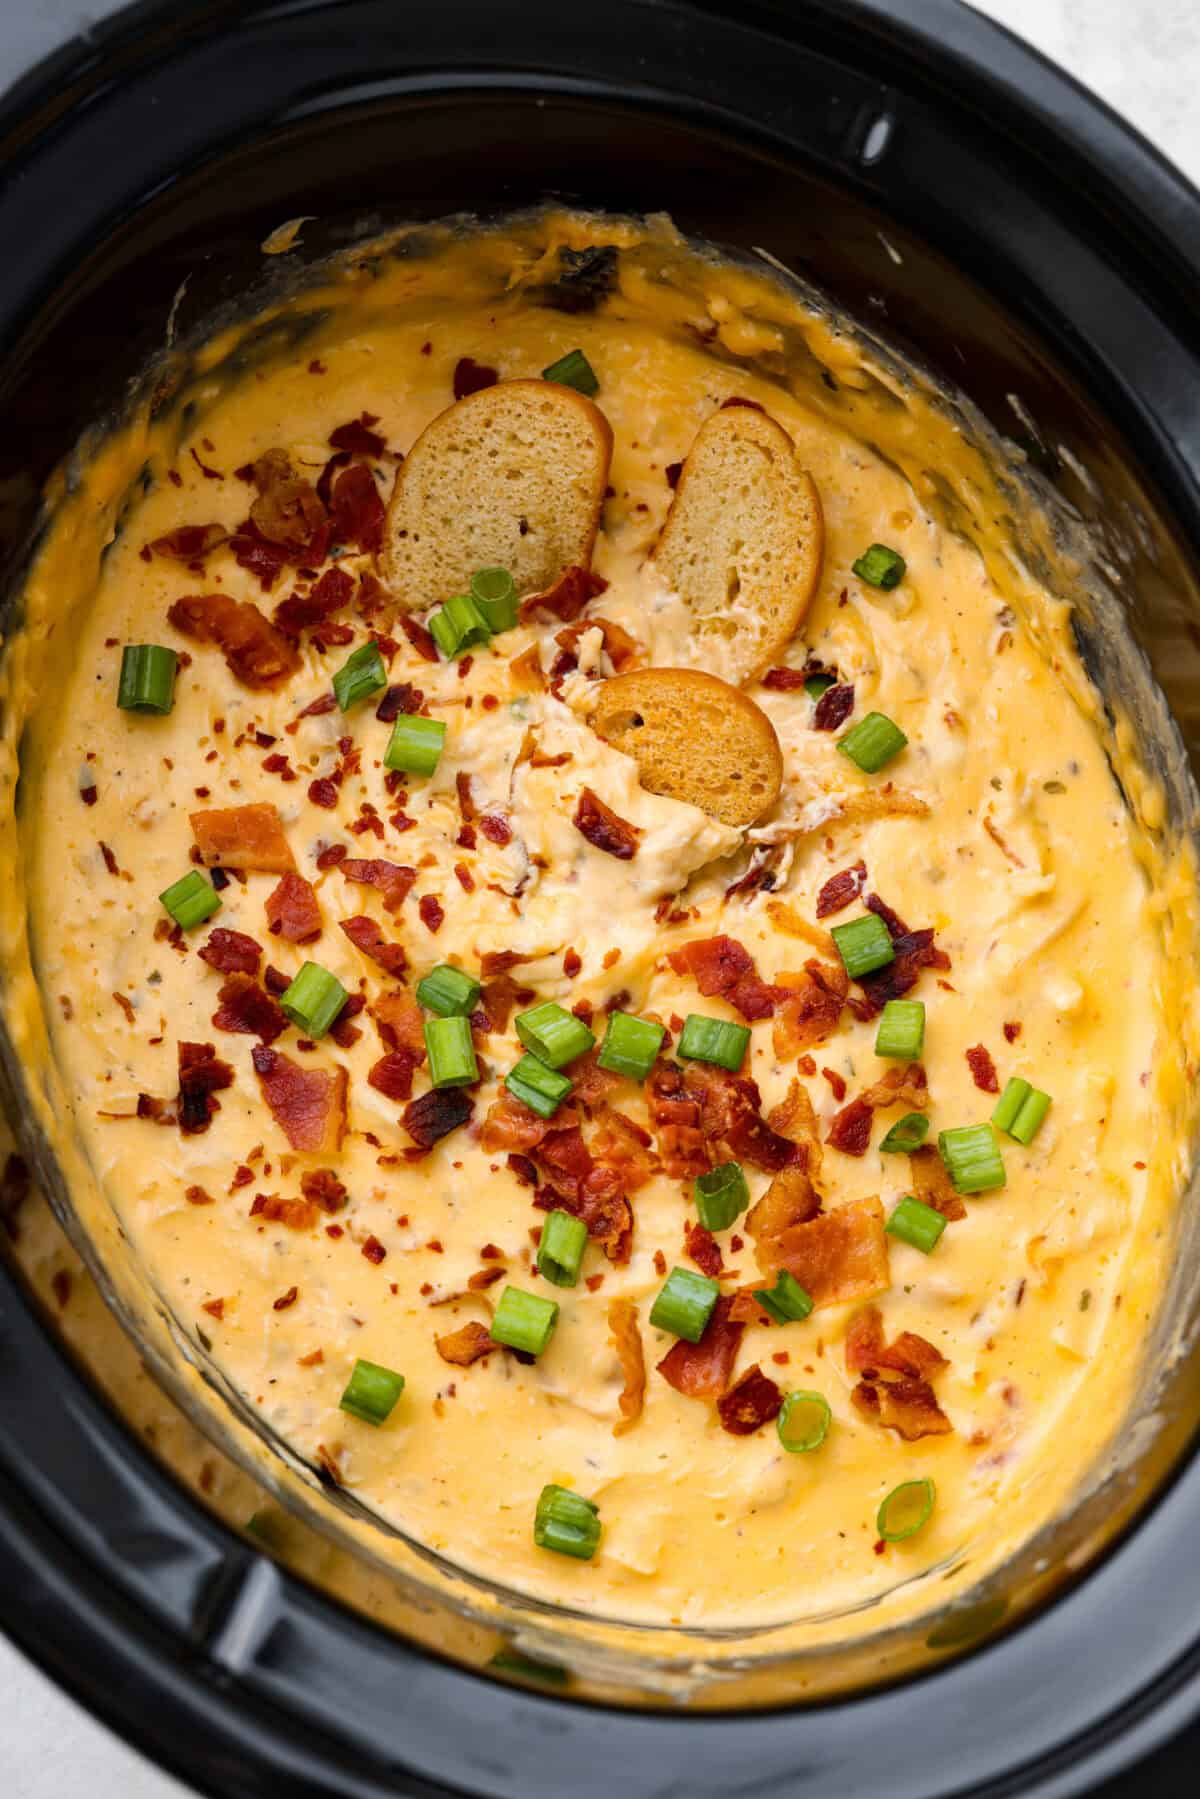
{"x":540,"y":1088}
{"x":901,"y":1030}
{"x":786,"y":1301}
{"x":880,"y":567}
{"x":191,"y":899}
{"x":972,"y":1157}
{"x":371,"y":1392}
{"x":908,"y":1133}
{"x":415,"y":745}
{"x":567,"y":1523}
{"x":560,"y":1250}
{"x":721,"y":1195}
{"x":631,"y":1045}
{"x":713,"y":1040}
{"x":1016,"y":1092}
{"x":685,"y":1304}
{"x":803,"y":1422}
{"x":863,"y":945}
{"x":495,"y":593}
{"x":573,"y":370}
{"x":1028,"y":1121}
{"x":905,"y":1510}
{"x":526,"y":1667}
{"x":448,"y":991}
{"x":523,"y":1321}
{"x":816,"y":685}
{"x":458,"y":625}
{"x":553,"y":1035}
{"x":313,"y":1000}
{"x":147,"y":679}
{"x":916,"y":1223}
{"x":360,"y":675}
{"x":451,"y":1052}
{"x":872,"y":742}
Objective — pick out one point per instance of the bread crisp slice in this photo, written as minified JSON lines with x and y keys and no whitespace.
{"x":513,"y":477}
{"x":693,"y":738}
{"x":743,"y":540}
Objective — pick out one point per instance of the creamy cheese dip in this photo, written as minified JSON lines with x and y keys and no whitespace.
{"x":1000,"y":826}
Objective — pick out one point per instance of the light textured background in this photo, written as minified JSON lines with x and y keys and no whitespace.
{"x":1143,"y":57}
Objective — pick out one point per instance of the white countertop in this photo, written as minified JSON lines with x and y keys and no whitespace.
{"x":1144,"y":59}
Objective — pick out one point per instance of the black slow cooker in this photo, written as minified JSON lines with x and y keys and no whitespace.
{"x":930,"y":173}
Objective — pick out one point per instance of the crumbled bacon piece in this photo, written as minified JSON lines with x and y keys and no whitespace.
{"x":704,"y":1250}
{"x":751,"y":1402}
{"x":471,"y":376}
{"x":790,"y":1199}
{"x":357,"y":437}
{"x":400,"y":1022}
{"x":253,"y":552}
{"x":868,"y":1353}
{"x":850,"y":1130}
{"x":245,"y":1007}
{"x":198,"y":1196}
{"x":785,"y":680}
{"x":392,"y":1075}
{"x":499,"y":961}
{"x":840,"y":889}
{"x":190,"y":543}
{"x":983,"y":1069}
{"x":357,"y":510}
{"x":285,"y":1300}
{"x":242,"y":837}
{"x":702,"y":1370}
{"x":811,"y":1009}
{"x":895,"y":1386}
{"x":202,"y":1074}
{"x":603,"y":828}
{"x":497,"y":998}
{"x":374,"y":1251}
{"x":258,"y":654}
{"x":932,"y":1185}
{"x":287,"y":510}
{"x":510,"y":1124}
{"x":497,"y":830}
{"x":833,"y":708}
{"x":627,"y":1341}
{"x":392,"y":879}
{"x":308,"y":1104}
{"x":588,"y":1189}
{"x":909,"y":1407}
{"x":524,"y":1170}
{"x":1012,"y":1031}
{"x":624,"y":1146}
{"x":420,"y":638}
{"x":836,"y":1256}
{"x":432,"y":912}
{"x":795,"y":1119}
{"x":305,"y":611}
{"x":568,"y":596}
{"x":343,"y":1031}
{"x":323,"y":1187}
{"x":231,"y":952}
{"x":721,"y":965}
{"x":323,"y":792}
{"x":296,"y":1214}
{"x":914,"y":950}
{"x":436,"y":1113}
{"x":462,"y":1347}
{"x":366,"y":936}
{"x":675,"y":1114}
{"x":292,"y":909}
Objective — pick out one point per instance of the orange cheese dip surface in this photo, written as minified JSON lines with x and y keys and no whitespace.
{"x":282,"y":1192}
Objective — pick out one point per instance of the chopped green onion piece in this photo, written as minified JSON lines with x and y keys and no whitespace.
{"x":360,"y":675}
{"x":721,"y":1195}
{"x":905,"y":1510}
{"x":495,"y":593}
{"x":567,"y":1523}
{"x":816,"y":685}
{"x":560,"y":1249}
{"x":523,"y":1321}
{"x":191,"y":899}
{"x":872,"y":742}
{"x":803,"y":1422}
{"x":451,"y":1052}
{"x":863,"y":945}
{"x":901,"y":1030}
{"x":525,"y":1667}
{"x":147,"y":679}
{"x":1016,"y":1092}
{"x":554,"y":1036}
{"x":573,"y":370}
{"x":448,"y":991}
{"x":916,"y":1223}
{"x":631,"y":1045}
{"x":1028,"y":1121}
{"x":415,"y":745}
{"x":371,"y":1392}
{"x":880,"y":567}
{"x":684,"y":1306}
{"x":713,"y":1040}
{"x":458,"y":625}
{"x":313,"y":1000}
{"x":972,"y":1158}
{"x":540,"y":1088}
{"x":786,"y":1301}
{"x":908,"y":1133}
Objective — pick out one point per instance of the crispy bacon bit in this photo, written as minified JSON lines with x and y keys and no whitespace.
{"x":627,"y":1341}
{"x":675,"y":1115}
{"x":851,"y":1128}
{"x":751,"y":1402}
{"x":867,"y":1353}
{"x":497,"y":830}
{"x":324,"y":793}
{"x":833,"y":708}
{"x":357,"y":438}
{"x":791,"y":1199}
{"x":464,"y":1346}
{"x":400,"y":1022}
{"x":436,"y":1113}
{"x":304,"y":612}
{"x":421,"y":639}
{"x":497,"y":1000}
{"x":603,"y":828}
{"x":471,"y":376}
{"x":785,"y":680}
{"x":246,"y":1008}
{"x":704,"y":1250}
{"x":836,"y":1084}
{"x":287,"y":510}
{"x":466,"y":799}
{"x":811,"y":1009}
{"x":324,"y":702}
{"x":292,"y":909}
{"x":568,"y":597}
{"x":285,"y":1300}
{"x":231,"y":952}
{"x":932,"y":1184}
{"x":367,"y":937}
{"x":246,"y":837}
{"x":323,"y":1187}
{"x":1012,"y":1031}
{"x":258,"y":654}
{"x":197,"y":1196}
{"x":672,"y":472}
{"x":624,"y":1146}
{"x":252,"y":552}
{"x":510,"y":1124}
{"x":914,"y":950}
{"x":483,"y":1278}
{"x":572,"y":963}
{"x":190,"y":543}
{"x":702,"y":1370}
{"x":215,"y":1308}
{"x":432,"y":912}
{"x":374,"y":1251}
{"x":895,"y":1388}
{"x":590,"y":1190}
{"x":840,"y":889}
{"x":524,"y":1170}
{"x":275,"y":981}
{"x":202,"y":1074}
{"x":721,"y":965}
{"x":983,"y":1069}
{"x":308,"y":1104}
{"x":392,"y":1075}
{"x":836,"y":1256}
{"x":357,"y":510}
{"x":392,"y":879}
{"x":296,"y":1214}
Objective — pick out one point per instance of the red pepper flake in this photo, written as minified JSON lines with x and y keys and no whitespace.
{"x":214,"y":1307}
{"x":324,"y":702}
{"x":836,"y":1082}
{"x":833,"y":708}
{"x":660,"y":1263}
{"x":89,"y":795}
{"x":464,"y":877}
{"x":374,"y":1251}
{"x":983,"y":1069}
{"x":572,"y":963}
{"x":313,"y":1359}
{"x":841,"y":889}
{"x":470,"y":377}
{"x":196,"y":1196}
{"x":603,"y":828}
{"x":432,"y":912}
{"x":285,"y":1300}
{"x":1012,"y":1031}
